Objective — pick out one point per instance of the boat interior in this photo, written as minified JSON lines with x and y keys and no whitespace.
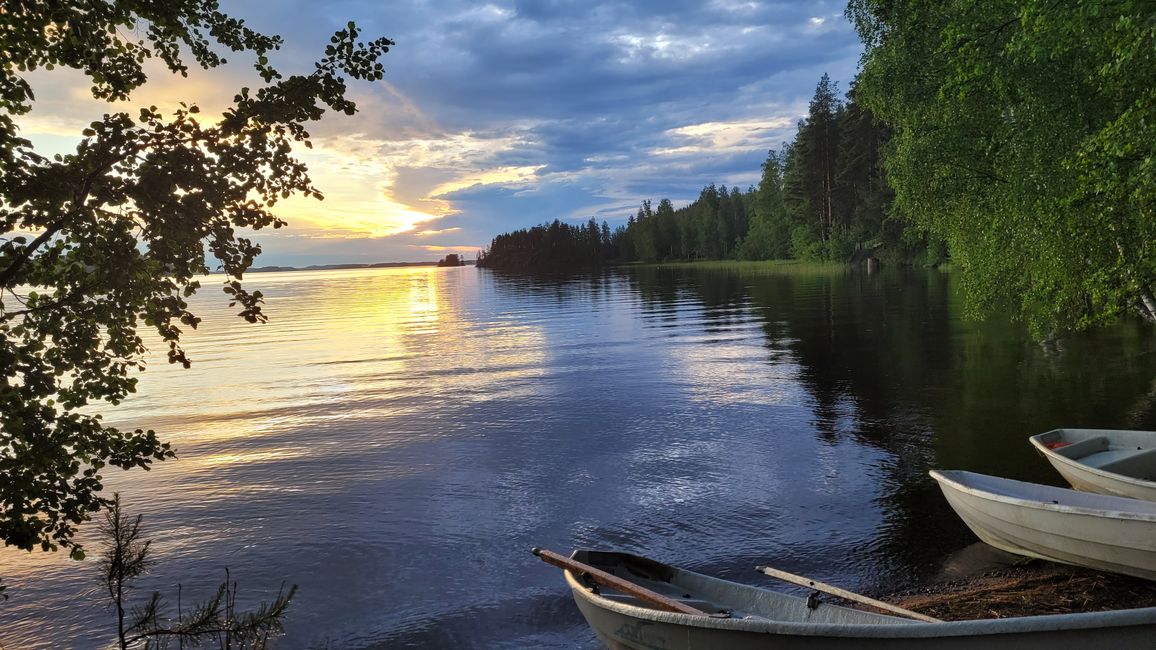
{"x":1099,"y":452}
{"x":727,"y":599}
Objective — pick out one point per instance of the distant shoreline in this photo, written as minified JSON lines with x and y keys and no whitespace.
{"x":339,"y":267}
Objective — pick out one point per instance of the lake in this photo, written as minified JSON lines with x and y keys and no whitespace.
{"x":394,"y":441}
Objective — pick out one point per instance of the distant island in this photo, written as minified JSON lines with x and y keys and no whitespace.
{"x":452,"y":260}
{"x":338,"y":267}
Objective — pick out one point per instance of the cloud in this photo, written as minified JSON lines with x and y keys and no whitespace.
{"x":428,"y":233}
{"x":500,"y":115}
{"x":710,"y":138}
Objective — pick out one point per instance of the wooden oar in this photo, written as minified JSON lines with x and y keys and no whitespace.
{"x":843,"y":593}
{"x":618,"y":584}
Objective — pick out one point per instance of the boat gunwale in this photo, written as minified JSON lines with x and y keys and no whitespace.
{"x":884,"y":630}
{"x":1053,"y":457}
{"x":944,"y":477}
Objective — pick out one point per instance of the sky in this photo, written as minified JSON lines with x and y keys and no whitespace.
{"x":499,"y":116}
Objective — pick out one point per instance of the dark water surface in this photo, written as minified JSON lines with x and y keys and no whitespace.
{"x":394,"y":441}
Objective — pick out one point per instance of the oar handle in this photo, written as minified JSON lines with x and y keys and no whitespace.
{"x":618,"y":584}
{"x":843,"y":593}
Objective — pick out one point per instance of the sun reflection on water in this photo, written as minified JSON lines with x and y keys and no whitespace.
{"x":348,"y":373}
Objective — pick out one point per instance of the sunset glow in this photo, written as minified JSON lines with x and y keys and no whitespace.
{"x":496,"y":117}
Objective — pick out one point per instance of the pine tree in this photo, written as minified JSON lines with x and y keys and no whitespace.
{"x":816,"y":154}
{"x":770,"y":230}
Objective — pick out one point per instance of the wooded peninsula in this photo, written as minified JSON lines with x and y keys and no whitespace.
{"x":822,"y":197}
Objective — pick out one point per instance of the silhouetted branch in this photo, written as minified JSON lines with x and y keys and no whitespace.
{"x":126,"y":557}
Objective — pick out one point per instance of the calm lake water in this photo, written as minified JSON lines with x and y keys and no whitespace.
{"x":394,"y":442}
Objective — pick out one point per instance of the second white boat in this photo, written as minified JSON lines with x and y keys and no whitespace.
{"x":1105,"y":461}
{"x":1097,"y":531}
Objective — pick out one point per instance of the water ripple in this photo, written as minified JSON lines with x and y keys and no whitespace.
{"x":395,"y":440}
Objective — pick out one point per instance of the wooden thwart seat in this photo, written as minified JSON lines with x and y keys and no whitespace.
{"x":1141,"y":464}
{"x":1083,"y":448}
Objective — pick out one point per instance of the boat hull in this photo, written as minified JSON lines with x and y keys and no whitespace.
{"x":1104,"y":461}
{"x":619,"y":631}
{"x":1096,"y":531}
{"x":621,"y":625}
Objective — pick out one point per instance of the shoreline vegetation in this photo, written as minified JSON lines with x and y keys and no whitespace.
{"x":743,"y":266}
{"x":343,"y":267}
{"x":738,"y":266}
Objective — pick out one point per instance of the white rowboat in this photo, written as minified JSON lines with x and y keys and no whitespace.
{"x":1105,"y":461}
{"x":1092,"y":530}
{"x":715,"y":613}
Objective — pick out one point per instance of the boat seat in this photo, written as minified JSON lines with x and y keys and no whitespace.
{"x":1083,"y":448}
{"x":697,"y":603}
{"x":1141,"y":464}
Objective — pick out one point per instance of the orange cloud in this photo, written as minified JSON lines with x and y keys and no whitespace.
{"x":359,"y":173}
{"x":427,"y":233}
{"x":451,"y":249}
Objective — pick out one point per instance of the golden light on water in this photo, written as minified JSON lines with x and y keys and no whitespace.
{"x":358,"y":337}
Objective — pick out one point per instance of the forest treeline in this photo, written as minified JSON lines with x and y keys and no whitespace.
{"x":821,"y":197}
